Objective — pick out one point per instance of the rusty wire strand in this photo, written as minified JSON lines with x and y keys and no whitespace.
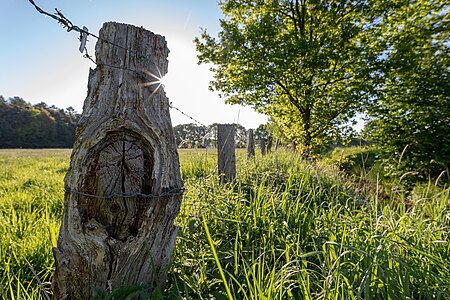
{"x":65,"y":22}
{"x":185,"y":114}
{"x":172,"y":192}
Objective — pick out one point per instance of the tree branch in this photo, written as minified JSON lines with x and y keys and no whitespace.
{"x":290,"y":97}
{"x":333,"y":116}
{"x":291,"y":17}
{"x":329,"y":78}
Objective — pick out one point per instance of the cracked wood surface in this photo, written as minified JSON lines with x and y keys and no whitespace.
{"x":226,"y":152}
{"x":125,"y":144}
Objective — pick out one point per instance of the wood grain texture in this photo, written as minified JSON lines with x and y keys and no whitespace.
{"x":226,"y":152}
{"x":250,"y":144}
{"x":125,"y":144}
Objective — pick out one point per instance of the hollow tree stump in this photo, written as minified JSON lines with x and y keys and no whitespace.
{"x":123,"y":187}
{"x":226,"y":152}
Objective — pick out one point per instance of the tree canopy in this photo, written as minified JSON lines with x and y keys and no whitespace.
{"x":200,"y":136}
{"x":312,"y":65}
{"x":410,"y":116}
{"x":23,"y":125}
{"x":305,"y":63}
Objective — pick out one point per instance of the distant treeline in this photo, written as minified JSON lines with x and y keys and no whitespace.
{"x":23,"y":125}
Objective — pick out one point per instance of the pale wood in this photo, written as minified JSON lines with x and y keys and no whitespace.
{"x":125,"y":144}
{"x":226,"y":152}
{"x":250,"y":144}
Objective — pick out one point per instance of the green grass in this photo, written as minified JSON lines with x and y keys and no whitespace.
{"x":31,"y":204}
{"x":285,"y":229}
{"x":197,"y":163}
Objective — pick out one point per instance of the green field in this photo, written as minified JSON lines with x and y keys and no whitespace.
{"x":286,"y":229}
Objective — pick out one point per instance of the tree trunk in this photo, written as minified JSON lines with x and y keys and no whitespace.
{"x":307,"y":140}
{"x":123,"y":187}
{"x":250,"y":144}
{"x":226,"y":153}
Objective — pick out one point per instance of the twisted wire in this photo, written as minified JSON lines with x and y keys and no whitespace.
{"x":172,"y":192}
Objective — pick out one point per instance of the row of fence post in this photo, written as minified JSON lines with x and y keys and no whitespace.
{"x":226,"y":150}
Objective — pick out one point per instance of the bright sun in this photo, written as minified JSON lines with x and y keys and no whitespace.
{"x":157,"y":80}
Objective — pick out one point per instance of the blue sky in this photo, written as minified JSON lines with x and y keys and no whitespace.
{"x":40,"y":60}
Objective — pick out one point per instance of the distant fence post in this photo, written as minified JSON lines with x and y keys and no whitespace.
{"x":250,"y":144}
{"x":226,"y":152}
{"x":262,"y":144}
{"x":123,"y":187}
{"x":269,"y":144}
{"x":277,"y":144}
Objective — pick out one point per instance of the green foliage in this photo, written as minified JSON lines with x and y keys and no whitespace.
{"x":284,"y":229}
{"x":191,"y":136}
{"x":352,"y":160}
{"x":262,"y":135}
{"x":240,"y":139}
{"x":287,"y":230}
{"x":307,"y":64}
{"x":25,"y":126}
{"x":199,"y":136}
{"x":410,"y":117}
{"x":129,"y":293}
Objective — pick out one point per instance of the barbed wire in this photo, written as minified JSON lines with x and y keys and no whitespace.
{"x":185,"y":114}
{"x":172,"y":192}
{"x":84,"y":32}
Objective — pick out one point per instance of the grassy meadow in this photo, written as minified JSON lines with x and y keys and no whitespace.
{"x":285,"y":229}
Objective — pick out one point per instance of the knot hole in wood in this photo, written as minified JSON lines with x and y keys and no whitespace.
{"x":121,"y":163}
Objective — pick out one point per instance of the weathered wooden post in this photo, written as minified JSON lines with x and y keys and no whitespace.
{"x":262,"y":144}
{"x":123,"y":187}
{"x":226,"y":152}
{"x":250,"y":144}
{"x":277,"y":144}
{"x":269,"y":144}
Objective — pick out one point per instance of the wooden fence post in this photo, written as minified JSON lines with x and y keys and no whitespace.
{"x":226,"y":152}
{"x":269,"y":144}
{"x":123,"y":187}
{"x":250,"y":144}
{"x":262,"y":143}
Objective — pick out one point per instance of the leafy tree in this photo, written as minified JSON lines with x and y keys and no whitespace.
{"x":70,"y":112}
{"x":306,"y":63}
{"x":38,"y":126}
{"x":261,"y":133}
{"x":411,"y":114}
{"x":264,"y":136}
{"x":240,"y":140}
{"x":190,"y":135}
{"x":18,"y":102}
{"x":195,"y":136}
{"x":212,"y":135}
